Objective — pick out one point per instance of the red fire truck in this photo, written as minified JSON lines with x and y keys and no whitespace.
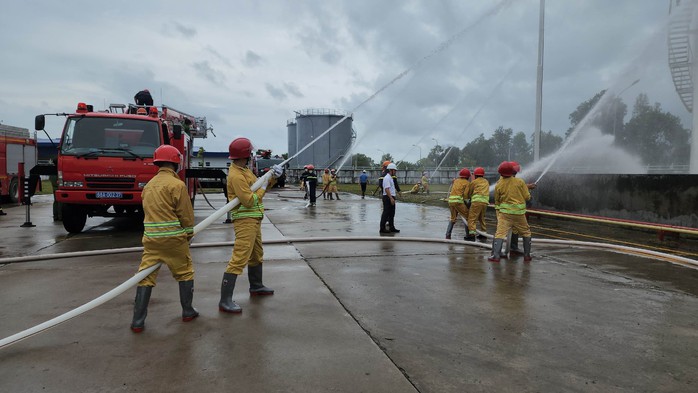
{"x":105,"y":158}
{"x":16,"y":145}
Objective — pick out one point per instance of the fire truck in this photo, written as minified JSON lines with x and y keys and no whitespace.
{"x":16,"y":145}
{"x":105,"y":158}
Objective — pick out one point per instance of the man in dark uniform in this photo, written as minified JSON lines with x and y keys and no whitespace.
{"x":311,"y":183}
{"x":143,"y":97}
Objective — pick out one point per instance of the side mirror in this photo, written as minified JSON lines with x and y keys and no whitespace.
{"x":177,"y":131}
{"x":39,"y":122}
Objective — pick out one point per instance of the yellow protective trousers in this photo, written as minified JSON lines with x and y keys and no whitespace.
{"x":247,"y":249}
{"x":457,"y":208}
{"x":516,"y":222}
{"x":172,"y":251}
{"x":477,"y":214}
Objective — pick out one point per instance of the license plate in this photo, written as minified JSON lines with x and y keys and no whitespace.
{"x":112,"y":195}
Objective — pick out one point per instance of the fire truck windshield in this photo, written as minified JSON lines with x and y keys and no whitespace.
{"x":115,"y":137}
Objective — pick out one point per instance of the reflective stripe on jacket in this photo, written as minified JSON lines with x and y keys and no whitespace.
{"x":510,"y":195}
{"x":240,"y":179}
{"x":479,"y":190}
{"x":166,"y":206}
{"x":460,"y":187}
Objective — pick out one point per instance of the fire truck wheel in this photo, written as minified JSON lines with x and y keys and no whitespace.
{"x":14,"y":190}
{"x":74,"y":218}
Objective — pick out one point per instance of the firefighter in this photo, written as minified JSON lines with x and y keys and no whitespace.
{"x":143,"y":97}
{"x":302,"y":179}
{"x":456,"y":199}
{"x":333,"y":184}
{"x":384,"y":170}
{"x":514,"y":246}
{"x":479,"y":196}
{"x":247,"y":221}
{"x":326,"y":183}
{"x":510,"y":196}
{"x":388,"y":214}
{"x":425,"y":182}
{"x":168,"y":227}
{"x":311,"y":183}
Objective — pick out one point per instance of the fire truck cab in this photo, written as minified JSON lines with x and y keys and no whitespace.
{"x":105,"y":158}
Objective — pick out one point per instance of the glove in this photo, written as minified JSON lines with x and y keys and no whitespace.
{"x":277,"y":171}
{"x":264,"y":185}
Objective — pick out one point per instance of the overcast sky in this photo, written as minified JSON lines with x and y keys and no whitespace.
{"x":247,"y":65}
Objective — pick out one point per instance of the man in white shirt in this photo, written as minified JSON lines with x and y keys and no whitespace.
{"x":388,"y":215}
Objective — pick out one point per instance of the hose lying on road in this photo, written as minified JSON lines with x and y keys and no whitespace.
{"x":142,"y":274}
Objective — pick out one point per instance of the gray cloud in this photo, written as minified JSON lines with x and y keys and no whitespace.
{"x":204,"y":70}
{"x":275,"y":92}
{"x":292,"y":89}
{"x":252,"y":59}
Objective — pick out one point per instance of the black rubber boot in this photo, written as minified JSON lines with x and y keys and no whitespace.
{"x":527,"y":249}
{"x":469,"y":238}
{"x":254,"y":273}
{"x":496,"y":250}
{"x":186,"y":295}
{"x":449,"y":229}
{"x":227,"y":286}
{"x":514,"y":248}
{"x":337,"y":195}
{"x":140,"y":308}
{"x":331,"y":198}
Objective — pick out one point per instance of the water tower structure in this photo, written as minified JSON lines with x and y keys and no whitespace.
{"x":328,"y":150}
{"x":683,"y":49}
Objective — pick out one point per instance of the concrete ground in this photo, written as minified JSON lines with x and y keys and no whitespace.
{"x":347,"y":316}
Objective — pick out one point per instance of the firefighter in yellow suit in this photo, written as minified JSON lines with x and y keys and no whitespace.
{"x":479,"y":195}
{"x":456,"y":199}
{"x":247,"y":221}
{"x":333,"y":184}
{"x":168,"y":227}
{"x":326,"y":184}
{"x":510,"y":196}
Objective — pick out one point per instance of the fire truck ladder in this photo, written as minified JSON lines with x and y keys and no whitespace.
{"x":680,"y":56}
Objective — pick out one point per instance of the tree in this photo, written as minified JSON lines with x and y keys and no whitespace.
{"x":657,"y":137}
{"x":607,"y":118}
{"x":549,"y":143}
{"x":362,"y":160}
{"x":450,"y":157}
{"x":501,"y":143}
{"x":479,"y":152}
{"x":434,"y":156}
{"x":386,"y":157}
{"x":521,"y":150}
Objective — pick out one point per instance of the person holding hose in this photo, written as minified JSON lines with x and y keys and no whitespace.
{"x":514,"y":246}
{"x":311,"y":183}
{"x":326,"y":184}
{"x":510,"y":196}
{"x":168,"y":227}
{"x":479,"y":195}
{"x":247,"y":221}
{"x":333,"y":184}
{"x":456,"y":199}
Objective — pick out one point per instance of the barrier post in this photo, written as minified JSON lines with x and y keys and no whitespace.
{"x":25,"y":195}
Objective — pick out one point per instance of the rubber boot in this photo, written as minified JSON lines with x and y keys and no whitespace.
{"x":496,"y":250}
{"x":469,"y":237}
{"x":254,"y":273}
{"x":2,"y":213}
{"x":140,"y":308}
{"x":527,"y":249}
{"x":514,"y":248}
{"x":331,"y":198}
{"x":186,"y":295}
{"x":337,"y":195}
{"x":449,"y":229}
{"x":227,"y":286}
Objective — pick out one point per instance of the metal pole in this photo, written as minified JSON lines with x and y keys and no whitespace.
{"x":539,"y":84}
{"x":693,"y":160}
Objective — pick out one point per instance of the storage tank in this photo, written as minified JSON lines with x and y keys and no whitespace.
{"x":292,"y":139}
{"x":331,"y":148}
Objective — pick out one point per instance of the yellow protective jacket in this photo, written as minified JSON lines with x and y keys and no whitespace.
{"x":460,"y":187}
{"x":240,"y":179}
{"x":325,"y":180}
{"x":479,"y":190}
{"x":425,"y":181}
{"x":510,"y":195}
{"x":167,"y":208}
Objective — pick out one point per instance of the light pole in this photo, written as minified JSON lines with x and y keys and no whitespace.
{"x":437,"y":142}
{"x":381,"y":159}
{"x":615,"y":106}
{"x":420,"y":151}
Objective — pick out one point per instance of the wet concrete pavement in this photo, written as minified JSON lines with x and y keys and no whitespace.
{"x":350,"y":316}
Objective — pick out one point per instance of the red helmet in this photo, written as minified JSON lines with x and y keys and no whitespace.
{"x":167,"y":153}
{"x":240,"y":148}
{"x":506,"y":169}
{"x":311,"y":167}
{"x":479,"y":171}
{"x":327,"y":170}
{"x":516,"y":166}
{"x":464,"y":173}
